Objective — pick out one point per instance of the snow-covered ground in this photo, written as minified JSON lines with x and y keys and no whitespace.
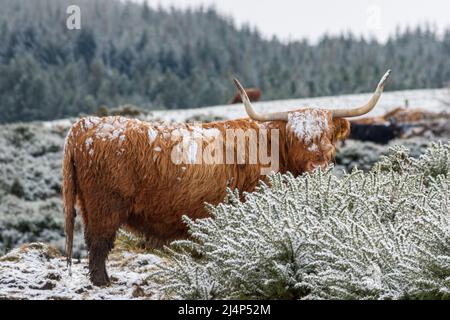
{"x":428,"y":99}
{"x":38,"y":271}
{"x":436,"y":100}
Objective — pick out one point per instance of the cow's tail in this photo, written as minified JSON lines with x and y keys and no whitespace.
{"x":69,"y":195}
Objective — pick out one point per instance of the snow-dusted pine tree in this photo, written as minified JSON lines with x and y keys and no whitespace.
{"x":384,"y":234}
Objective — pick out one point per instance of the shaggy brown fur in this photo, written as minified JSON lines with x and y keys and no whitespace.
{"x":254,"y":94}
{"x":119,"y":172}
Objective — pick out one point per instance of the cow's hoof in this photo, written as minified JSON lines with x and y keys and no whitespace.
{"x":100,"y":280}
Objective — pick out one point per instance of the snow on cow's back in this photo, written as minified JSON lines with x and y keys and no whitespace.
{"x":88,"y":132}
{"x":117,"y":136}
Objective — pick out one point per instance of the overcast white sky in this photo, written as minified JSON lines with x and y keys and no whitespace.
{"x":290,"y":19}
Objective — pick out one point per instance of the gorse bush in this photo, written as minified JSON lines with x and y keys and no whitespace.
{"x":383,"y":234}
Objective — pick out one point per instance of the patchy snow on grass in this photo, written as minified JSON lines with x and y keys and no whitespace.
{"x":38,"y":271}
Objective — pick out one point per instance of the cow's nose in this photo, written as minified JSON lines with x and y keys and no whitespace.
{"x":313,"y":165}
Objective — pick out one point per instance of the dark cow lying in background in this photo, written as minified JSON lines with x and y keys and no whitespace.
{"x":380,"y":133}
{"x":400,"y":122}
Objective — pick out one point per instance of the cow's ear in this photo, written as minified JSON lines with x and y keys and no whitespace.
{"x":341,"y":128}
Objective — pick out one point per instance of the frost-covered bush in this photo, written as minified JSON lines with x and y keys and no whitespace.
{"x":363,"y":155}
{"x":384,"y":234}
{"x":30,"y":221}
{"x":434,"y":162}
{"x":30,"y":160}
{"x":30,"y":186}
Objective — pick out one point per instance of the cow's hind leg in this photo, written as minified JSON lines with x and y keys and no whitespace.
{"x":101,"y":225}
{"x":99,"y":245}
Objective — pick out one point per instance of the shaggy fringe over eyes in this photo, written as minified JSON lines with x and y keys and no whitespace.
{"x":342,"y":129}
{"x":383,"y":234}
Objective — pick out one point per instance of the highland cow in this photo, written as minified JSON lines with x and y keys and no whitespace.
{"x":123,"y":172}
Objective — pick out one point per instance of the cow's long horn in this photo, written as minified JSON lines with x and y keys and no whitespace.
{"x":354,"y":112}
{"x":255,"y":115}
